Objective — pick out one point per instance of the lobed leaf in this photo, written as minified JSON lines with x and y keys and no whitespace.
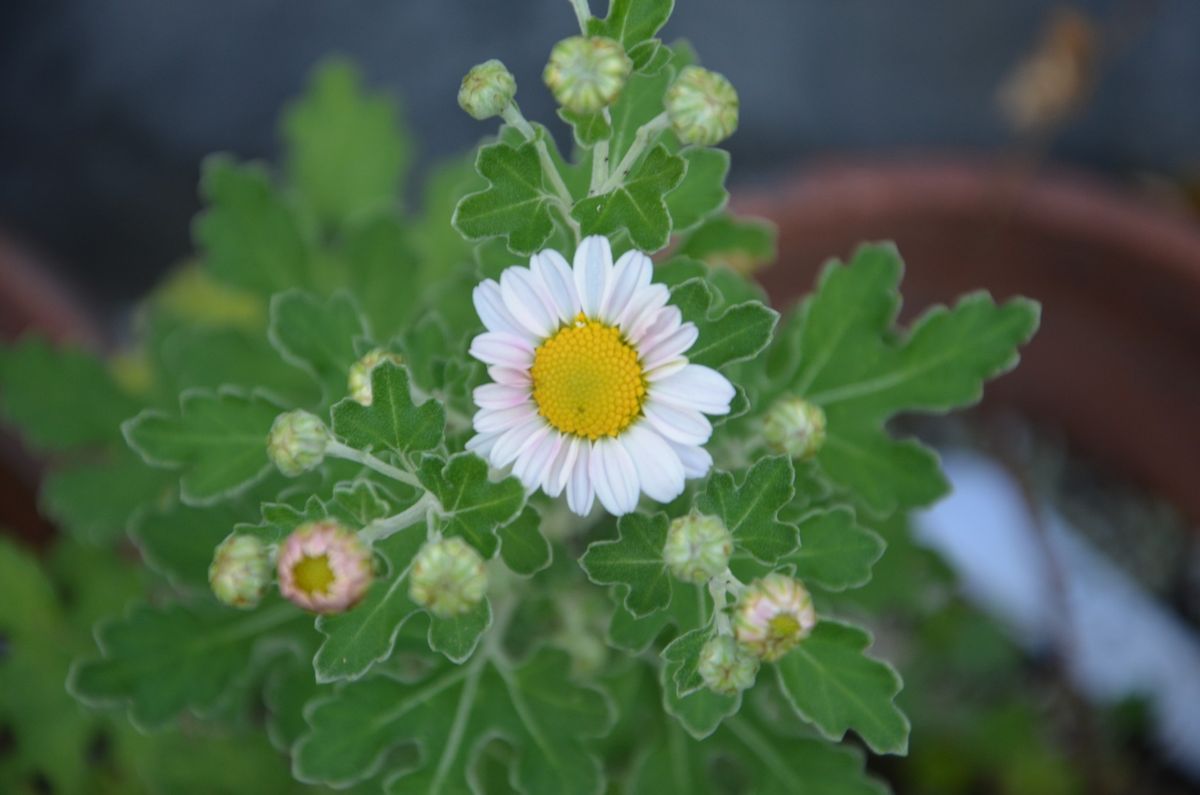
{"x":750,"y":504}
{"x":472,"y":506}
{"x":516,"y":203}
{"x":702,"y":191}
{"x":632,"y":22}
{"x":637,"y":206}
{"x":393,"y":422}
{"x":317,"y":335}
{"x":835,"y":552}
{"x":738,"y":333}
{"x":522,"y":546}
{"x":634,"y":561}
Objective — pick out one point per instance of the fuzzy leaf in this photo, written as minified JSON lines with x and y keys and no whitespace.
{"x":522,"y":546}
{"x":516,"y":204}
{"x":742,"y":244}
{"x":699,"y":712}
{"x":381,"y":268}
{"x":739,"y":332}
{"x":637,"y":205}
{"x":347,"y":152}
{"x":749,"y":506}
{"x":178,"y":541}
{"x":632,"y":22}
{"x":702,"y":191}
{"x":99,"y":500}
{"x":457,"y":637}
{"x":317,"y":335}
{"x":684,"y":655}
{"x":472,"y":506}
{"x":830,"y":682}
{"x":835,"y":552}
{"x":634,"y":561}
{"x":448,"y":715}
{"x":218,"y":441}
{"x":589,"y":128}
{"x":393,"y":421}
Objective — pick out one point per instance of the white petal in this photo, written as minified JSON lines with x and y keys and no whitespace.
{"x":686,"y":426}
{"x":532,"y":457}
{"x":499,"y":396}
{"x":498,"y":421}
{"x":658,"y":467}
{"x":556,"y":276}
{"x":492,"y":311}
{"x":631,"y":272}
{"x":513,"y":441}
{"x":593,"y":270}
{"x":643,"y":310}
{"x":614,"y":476}
{"x":504,"y":349}
{"x":696,"y":460}
{"x":510,"y":376}
{"x":667,"y":369}
{"x":523,"y":295}
{"x":670,"y":347}
{"x":696,"y":387}
{"x":580,"y":493}
{"x":666,"y":322}
{"x":482,"y":444}
{"x":558,"y":474}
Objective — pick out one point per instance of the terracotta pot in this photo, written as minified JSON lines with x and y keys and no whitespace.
{"x":1116,"y":364}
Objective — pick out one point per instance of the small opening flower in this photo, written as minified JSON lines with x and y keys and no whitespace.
{"x":702,"y":106}
{"x":698,"y":547}
{"x":774,"y":614}
{"x":323,"y":567}
{"x":587,"y":73}
{"x":240,"y":571}
{"x":297,"y":442}
{"x":795,"y":427}
{"x":447,"y":577}
{"x":359,"y":382}
{"x":592,"y":392}
{"x":727,"y":667}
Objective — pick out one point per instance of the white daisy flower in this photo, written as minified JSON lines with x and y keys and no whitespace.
{"x":591,"y":391}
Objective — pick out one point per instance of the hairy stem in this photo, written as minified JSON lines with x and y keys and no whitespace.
{"x":382,"y":528}
{"x":647,"y":134}
{"x":600,"y":160}
{"x":512,"y":114}
{"x":339,"y":450}
{"x":582,"y":13}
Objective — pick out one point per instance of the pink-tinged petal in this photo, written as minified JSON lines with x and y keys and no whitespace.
{"x":555,"y":275}
{"x":513,"y":441}
{"x":510,"y":376}
{"x":504,"y":349}
{"x":671,"y":347}
{"x":593,"y":271}
{"x":489,"y":304}
{"x":631,"y":272}
{"x":500,"y":420}
{"x":580,"y":493}
{"x":696,"y":387}
{"x":666,"y":322}
{"x":536,"y":457}
{"x":696,"y":460}
{"x":558,"y":471}
{"x":659,"y":469}
{"x":643,"y":311}
{"x":666,"y":370}
{"x":499,"y":396}
{"x":524,"y":297}
{"x":614,"y":477}
{"x":686,"y":426}
{"x":482,"y":444}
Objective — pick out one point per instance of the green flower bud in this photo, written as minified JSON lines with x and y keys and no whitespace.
{"x":240,"y":571}
{"x":726,"y":667}
{"x":773,"y":615}
{"x":359,"y":385}
{"x":698,"y":547}
{"x":586,"y":73}
{"x":297,"y":442}
{"x":702,"y":106}
{"x":487,"y":90}
{"x":447,"y":577}
{"x":795,"y":427}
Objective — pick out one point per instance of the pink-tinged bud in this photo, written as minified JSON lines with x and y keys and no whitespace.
{"x":726,"y":667}
{"x":773,"y":615}
{"x":323,"y":567}
{"x":297,"y":442}
{"x":240,"y":571}
{"x":447,"y":577}
{"x":359,"y":385}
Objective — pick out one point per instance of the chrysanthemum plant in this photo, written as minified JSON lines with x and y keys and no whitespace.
{"x":549,"y":500}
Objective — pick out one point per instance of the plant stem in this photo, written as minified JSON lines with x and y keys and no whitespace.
{"x":646,"y":135}
{"x":600,"y":160}
{"x":339,"y":450}
{"x":512,"y":114}
{"x":382,"y":528}
{"x":583,"y":14}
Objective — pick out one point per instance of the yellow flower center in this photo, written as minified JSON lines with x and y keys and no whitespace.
{"x":587,"y":381}
{"x":313,"y":575}
{"x":784,"y":625}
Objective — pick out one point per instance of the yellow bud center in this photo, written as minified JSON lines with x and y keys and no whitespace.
{"x":587,"y":380}
{"x":784,"y":625}
{"x":313,"y":575}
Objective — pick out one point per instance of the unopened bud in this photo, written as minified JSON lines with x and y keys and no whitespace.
{"x":487,"y":90}
{"x":587,"y":73}
{"x":726,"y":667}
{"x":447,"y":577}
{"x":795,"y":427}
{"x":698,"y":547}
{"x":702,"y":106}
{"x":240,"y":571}
{"x":323,"y":567}
{"x":359,"y":384}
{"x":773,"y":615}
{"x":297,"y":442}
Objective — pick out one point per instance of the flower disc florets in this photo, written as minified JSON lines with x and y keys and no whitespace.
{"x":240,"y":571}
{"x":487,"y":90}
{"x":359,"y":381}
{"x":698,"y":547}
{"x":587,"y":73}
{"x":726,"y":667}
{"x":323,"y":567}
{"x":795,"y":427}
{"x":447,"y":577}
{"x":773,"y":615}
{"x":702,"y":106}
{"x":297,"y":442}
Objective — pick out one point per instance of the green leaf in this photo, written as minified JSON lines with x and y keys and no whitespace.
{"x":749,"y":506}
{"x":250,"y":237}
{"x":457,"y":637}
{"x":318,"y":336}
{"x":741,"y":244}
{"x":449,"y":715}
{"x":830,"y":682}
{"x":41,"y":389}
{"x":516,"y":203}
{"x":637,"y":205}
{"x":702,"y":191}
{"x":634,"y":634}
{"x":347,"y":152}
{"x":381,"y":268}
{"x":883,"y":473}
{"x":392,"y":421}
{"x":360,"y":638}
{"x":699,"y":712}
{"x":739,"y":332}
{"x":160,"y":662}
{"x":472,"y":506}
{"x":634,"y":561}
{"x":683,"y":654}
{"x":218,"y":441}
{"x":178,"y":542}
{"x":835,"y":552}
{"x":632,"y":22}
{"x":589,"y":128}
{"x":522,"y":546}
{"x":99,"y":500}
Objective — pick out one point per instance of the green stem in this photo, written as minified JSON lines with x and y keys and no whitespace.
{"x":646,"y":135}
{"x":600,"y":160}
{"x":512,"y":114}
{"x":339,"y":450}
{"x":382,"y":528}
{"x":583,"y":14}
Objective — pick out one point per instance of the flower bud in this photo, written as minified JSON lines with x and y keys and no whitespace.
{"x":297,"y":442}
{"x":698,"y":547}
{"x":240,"y":571}
{"x":773,"y":615}
{"x":359,"y":385}
{"x":323,"y":567}
{"x":795,"y":427}
{"x":726,"y":667}
{"x":487,"y":89}
{"x":702,"y":106}
{"x":586,"y":73}
{"x":447,"y":577}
